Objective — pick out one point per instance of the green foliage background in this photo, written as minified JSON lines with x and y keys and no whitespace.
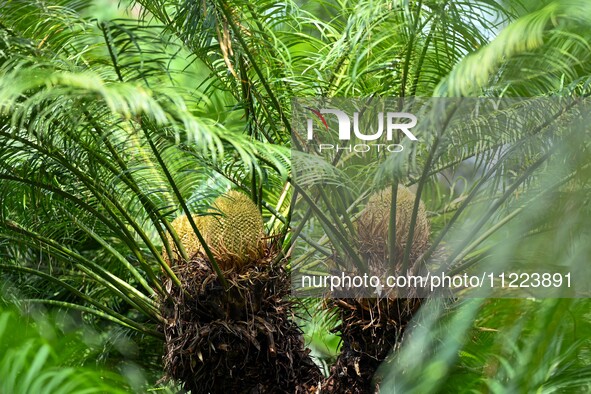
{"x":112,"y":123}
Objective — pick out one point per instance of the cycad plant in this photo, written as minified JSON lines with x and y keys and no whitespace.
{"x":112,"y":127}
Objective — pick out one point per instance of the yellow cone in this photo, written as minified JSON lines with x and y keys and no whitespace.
{"x":372,"y":225}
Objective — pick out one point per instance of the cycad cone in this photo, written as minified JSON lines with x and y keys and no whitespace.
{"x":186,"y":235}
{"x":233,"y":230}
{"x":372,"y":225}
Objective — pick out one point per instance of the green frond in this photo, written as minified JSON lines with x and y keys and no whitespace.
{"x":544,"y":46}
{"x":32,"y":362}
